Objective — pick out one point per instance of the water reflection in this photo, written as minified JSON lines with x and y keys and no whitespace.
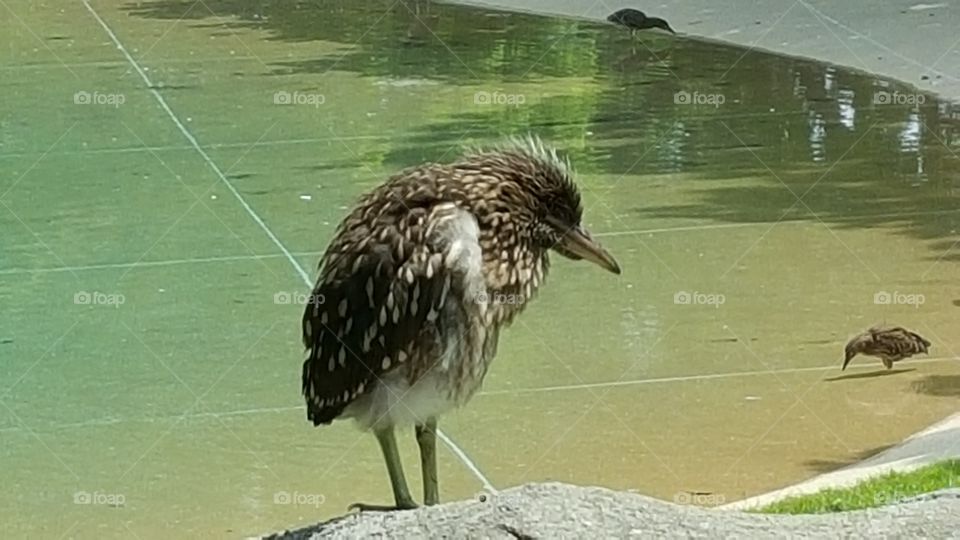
{"x":846,"y":109}
{"x":615,"y":102}
{"x":911,"y":142}
{"x":818,"y":134}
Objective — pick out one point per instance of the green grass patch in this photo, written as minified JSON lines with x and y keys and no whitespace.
{"x":878,"y":491}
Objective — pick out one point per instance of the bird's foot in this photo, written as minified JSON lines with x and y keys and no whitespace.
{"x":363,"y":507}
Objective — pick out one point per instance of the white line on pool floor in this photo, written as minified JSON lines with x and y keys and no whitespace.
{"x":517,"y":391}
{"x":692,"y":378}
{"x":610,"y":234}
{"x":250,"y":211}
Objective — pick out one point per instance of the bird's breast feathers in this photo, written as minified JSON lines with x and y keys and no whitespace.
{"x":400,"y":305}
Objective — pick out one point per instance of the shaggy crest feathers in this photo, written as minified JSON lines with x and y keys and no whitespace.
{"x":533,"y":148}
{"x":549,"y":175}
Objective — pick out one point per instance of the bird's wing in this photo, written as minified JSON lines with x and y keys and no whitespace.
{"x":899,"y":342}
{"x":380,"y":304}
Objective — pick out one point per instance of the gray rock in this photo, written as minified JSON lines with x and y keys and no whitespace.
{"x":558,"y":511}
{"x":953,"y":493}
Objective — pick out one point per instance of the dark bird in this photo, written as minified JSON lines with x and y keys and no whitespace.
{"x":637,"y":20}
{"x":890,"y":344}
{"x":417,"y":283}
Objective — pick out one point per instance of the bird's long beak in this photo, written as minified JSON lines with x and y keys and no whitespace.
{"x":846,"y":360}
{"x":579,"y":242}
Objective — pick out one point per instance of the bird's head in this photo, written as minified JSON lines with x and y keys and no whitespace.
{"x":537,"y":190}
{"x":848,"y":355}
{"x":656,"y":22}
{"x":856,"y":346}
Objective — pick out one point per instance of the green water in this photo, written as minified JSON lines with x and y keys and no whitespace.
{"x":177,"y":412}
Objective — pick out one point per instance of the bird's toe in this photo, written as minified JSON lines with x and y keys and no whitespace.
{"x":364,"y":507}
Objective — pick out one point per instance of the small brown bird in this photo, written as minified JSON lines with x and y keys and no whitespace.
{"x":890,"y":344}
{"x":638,"y":20}
{"x":417,"y":283}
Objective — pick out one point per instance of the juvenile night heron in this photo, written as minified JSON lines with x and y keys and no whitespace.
{"x":638,"y":20}
{"x":417,"y":283}
{"x":890,"y":344}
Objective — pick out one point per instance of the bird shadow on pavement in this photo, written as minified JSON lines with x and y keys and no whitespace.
{"x":829,"y":465}
{"x":870,"y":375}
{"x":938,"y":385}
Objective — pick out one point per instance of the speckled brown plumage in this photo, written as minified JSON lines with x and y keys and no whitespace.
{"x":890,"y":344}
{"x":422,"y":275}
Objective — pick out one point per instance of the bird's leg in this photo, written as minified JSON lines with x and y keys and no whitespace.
{"x":427,"y":440}
{"x":401,"y":493}
{"x":888,"y":363}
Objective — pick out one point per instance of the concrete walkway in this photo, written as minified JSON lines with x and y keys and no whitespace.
{"x":937,"y":443}
{"x":914,"y":41}
{"x":559,"y":511}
